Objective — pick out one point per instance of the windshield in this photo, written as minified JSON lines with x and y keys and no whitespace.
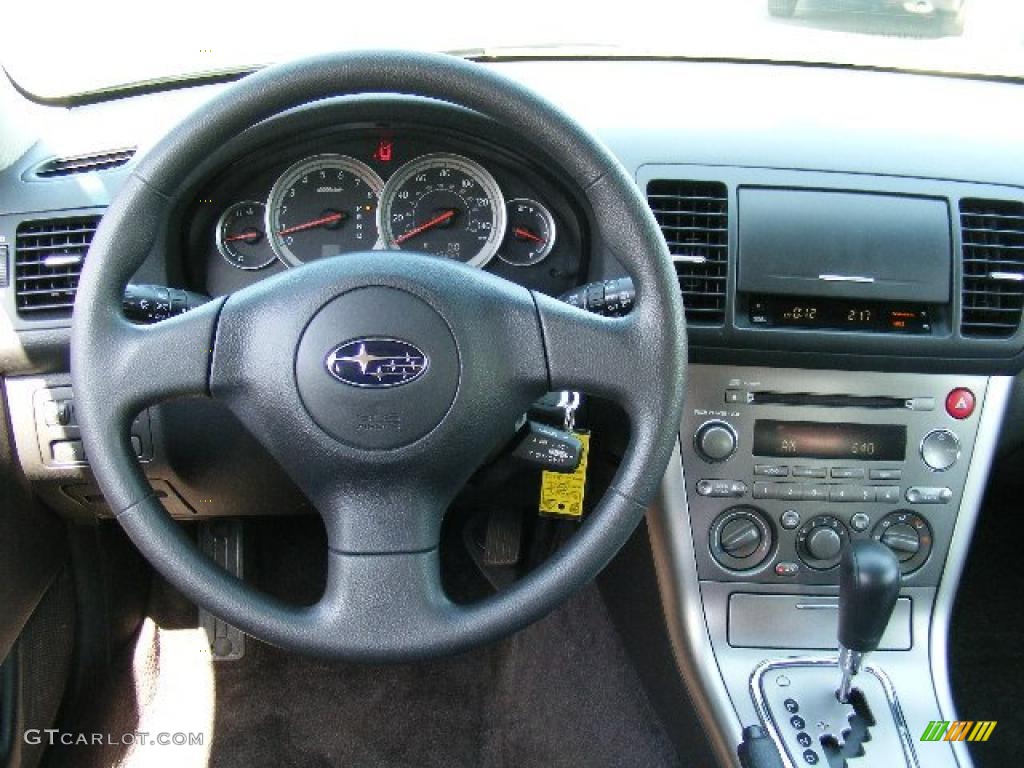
{"x":55,"y":52}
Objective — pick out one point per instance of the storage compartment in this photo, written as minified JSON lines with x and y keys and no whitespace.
{"x":808,"y":622}
{"x":844,"y":245}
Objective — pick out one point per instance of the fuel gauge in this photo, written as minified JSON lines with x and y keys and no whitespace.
{"x":241,"y":237}
{"x":529,"y":233}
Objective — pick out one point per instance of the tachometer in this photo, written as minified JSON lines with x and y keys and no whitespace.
{"x":323,"y":206}
{"x":446,"y":205}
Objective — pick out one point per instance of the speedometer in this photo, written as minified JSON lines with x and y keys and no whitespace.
{"x":323,"y":206}
{"x":446,"y":205}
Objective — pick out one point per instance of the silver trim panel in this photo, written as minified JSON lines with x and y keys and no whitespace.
{"x":768,"y":721}
{"x":997,"y":395}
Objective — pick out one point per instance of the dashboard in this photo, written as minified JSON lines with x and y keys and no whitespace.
{"x":854,"y":290}
{"x":383,"y":185}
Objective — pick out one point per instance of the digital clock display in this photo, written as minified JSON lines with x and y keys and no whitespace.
{"x":819,"y":440}
{"x":839,"y":314}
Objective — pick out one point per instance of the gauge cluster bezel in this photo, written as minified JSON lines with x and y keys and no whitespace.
{"x":351,"y":127}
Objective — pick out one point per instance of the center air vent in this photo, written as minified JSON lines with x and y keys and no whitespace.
{"x":993,"y":267}
{"x":694,"y":217}
{"x":48,"y":256}
{"x":93,"y":161}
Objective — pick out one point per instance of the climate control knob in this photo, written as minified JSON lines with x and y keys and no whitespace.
{"x":820,"y":542}
{"x":741,"y":538}
{"x":824,"y":543}
{"x":715,"y":441}
{"x":908,"y":535}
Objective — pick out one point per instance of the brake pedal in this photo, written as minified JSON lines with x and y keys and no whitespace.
{"x":221,"y":540}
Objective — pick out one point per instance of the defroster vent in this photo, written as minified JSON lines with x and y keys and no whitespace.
{"x":48,"y":256}
{"x":694,"y":217}
{"x":87,"y":163}
{"x":992,"y":232}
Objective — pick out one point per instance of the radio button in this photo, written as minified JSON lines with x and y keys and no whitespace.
{"x":841,"y":493}
{"x":815,"y":493}
{"x":864,"y":494}
{"x":787,"y":491}
{"x":808,"y":472}
{"x":919,"y":494}
{"x":733,"y":396}
{"x":847,"y":473}
{"x":885,"y":474}
{"x":887,"y":494}
{"x":921,"y":404}
{"x":771,"y":470}
{"x":721,"y":489}
{"x":940,"y":449}
{"x":761,"y":490}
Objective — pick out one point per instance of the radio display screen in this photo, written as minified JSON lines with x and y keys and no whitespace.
{"x":819,"y":440}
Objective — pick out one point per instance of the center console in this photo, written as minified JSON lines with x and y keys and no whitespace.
{"x":779,"y":471}
{"x":786,"y":467}
{"x":845,"y":330}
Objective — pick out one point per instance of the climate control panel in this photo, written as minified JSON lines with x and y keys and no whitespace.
{"x":784,"y":468}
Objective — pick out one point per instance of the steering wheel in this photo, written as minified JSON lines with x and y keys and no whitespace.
{"x":381,"y":465}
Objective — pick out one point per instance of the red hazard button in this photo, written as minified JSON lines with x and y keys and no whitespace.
{"x":960,"y":403}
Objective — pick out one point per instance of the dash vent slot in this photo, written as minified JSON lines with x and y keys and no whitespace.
{"x":992,"y":234}
{"x":48,"y":257}
{"x":694,"y":218}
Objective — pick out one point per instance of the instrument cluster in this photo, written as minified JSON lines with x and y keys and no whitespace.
{"x":384,"y":190}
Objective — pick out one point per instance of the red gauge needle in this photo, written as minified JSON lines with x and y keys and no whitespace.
{"x":522,"y":233}
{"x":251,"y":236}
{"x":441,"y":218}
{"x":328,"y":219}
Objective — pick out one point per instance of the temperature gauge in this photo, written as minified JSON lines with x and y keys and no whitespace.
{"x":530,"y":233}
{"x":241,"y":238}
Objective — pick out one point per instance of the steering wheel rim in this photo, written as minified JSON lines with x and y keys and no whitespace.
{"x":383,"y":600}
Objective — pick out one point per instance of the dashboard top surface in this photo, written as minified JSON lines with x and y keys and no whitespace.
{"x":807,"y":126}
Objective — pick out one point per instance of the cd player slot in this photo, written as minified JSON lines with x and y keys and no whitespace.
{"x":840,"y":401}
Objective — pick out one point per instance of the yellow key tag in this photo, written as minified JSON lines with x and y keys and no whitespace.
{"x":561,"y":493}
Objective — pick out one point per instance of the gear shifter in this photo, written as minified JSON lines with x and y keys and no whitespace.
{"x":869,"y":583}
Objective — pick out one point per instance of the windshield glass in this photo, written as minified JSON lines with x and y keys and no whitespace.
{"x":52,"y":51}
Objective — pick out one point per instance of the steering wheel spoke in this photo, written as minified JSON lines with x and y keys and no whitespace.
{"x":372,"y":510}
{"x":602,"y":356}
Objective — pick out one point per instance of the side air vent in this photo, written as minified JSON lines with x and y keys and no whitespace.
{"x":48,"y":256}
{"x":993,"y":266}
{"x":93,"y":161}
{"x":694,"y":217}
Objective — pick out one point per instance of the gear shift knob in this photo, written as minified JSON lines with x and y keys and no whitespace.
{"x":869,"y":583}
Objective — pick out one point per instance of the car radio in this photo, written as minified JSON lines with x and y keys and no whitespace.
{"x":785,"y":467}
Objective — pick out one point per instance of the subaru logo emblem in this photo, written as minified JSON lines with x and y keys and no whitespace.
{"x":376,"y":363}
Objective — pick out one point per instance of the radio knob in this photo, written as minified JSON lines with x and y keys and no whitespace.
{"x":824,"y":544}
{"x":940,"y":449}
{"x":715,"y":441}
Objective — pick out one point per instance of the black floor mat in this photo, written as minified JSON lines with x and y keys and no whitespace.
{"x":561,"y":693}
{"x":986,"y":653}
